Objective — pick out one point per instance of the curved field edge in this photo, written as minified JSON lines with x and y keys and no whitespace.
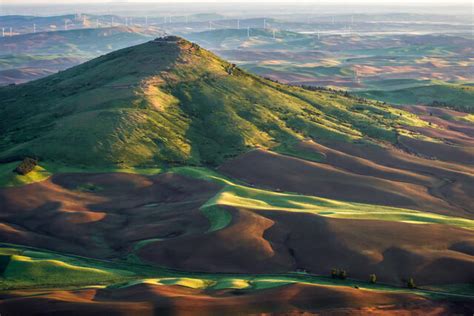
{"x":237,"y":194}
{"x":25,"y":267}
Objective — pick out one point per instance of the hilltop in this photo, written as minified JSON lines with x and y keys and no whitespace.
{"x":170,"y":101}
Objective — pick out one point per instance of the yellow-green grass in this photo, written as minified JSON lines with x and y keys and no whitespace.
{"x":453,"y":95}
{"x":9,"y":178}
{"x":261,"y":282}
{"x":468,"y":118}
{"x":237,"y":195}
{"x":25,"y":268}
{"x":257,"y":199}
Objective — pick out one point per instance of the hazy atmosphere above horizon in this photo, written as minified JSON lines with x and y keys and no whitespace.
{"x":364,"y":2}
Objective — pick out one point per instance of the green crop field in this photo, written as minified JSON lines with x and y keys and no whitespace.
{"x":455,"y":96}
{"x":237,"y":195}
{"x":24,"y":267}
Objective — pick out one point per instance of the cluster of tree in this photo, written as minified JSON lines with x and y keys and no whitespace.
{"x":344,"y":93}
{"x":342,"y":275}
{"x":231,"y":68}
{"x":26,"y":166}
{"x":462,"y":108}
{"x":373,"y":278}
{"x":339,"y":274}
{"x":411,"y":283}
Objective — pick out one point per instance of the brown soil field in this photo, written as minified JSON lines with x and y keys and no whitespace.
{"x":272,"y":241}
{"x":294,"y":299}
{"x":329,"y":180}
{"x":55,"y":214}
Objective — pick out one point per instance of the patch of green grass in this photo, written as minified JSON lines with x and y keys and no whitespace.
{"x":89,"y":187}
{"x":142,"y":243}
{"x":217,"y":216}
{"x":257,"y":199}
{"x":34,"y":268}
{"x":456,"y":96}
{"x":237,"y":195}
{"x":45,"y":169}
{"x":27,"y":268}
{"x":468,"y":118}
{"x":9,"y":178}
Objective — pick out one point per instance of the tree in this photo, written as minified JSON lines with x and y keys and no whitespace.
{"x":411,"y":283}
{"x":26,"y":166}
{"x":373,"y":278}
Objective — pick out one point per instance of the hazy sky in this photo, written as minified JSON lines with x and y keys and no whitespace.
{"x":253,"y":1}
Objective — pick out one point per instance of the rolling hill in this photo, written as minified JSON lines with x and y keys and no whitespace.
{"x":35,"y":55}
{"x":454,"y":96}
{"x":169,"y":101}
{"x":169,"y":178}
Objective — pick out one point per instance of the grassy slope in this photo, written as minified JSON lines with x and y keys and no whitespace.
{"x":238,"y":195}
{"x":456,"y":96}
{"x":9,"y":178}
{"x":24,"y":267}
{"x":156,"y":104}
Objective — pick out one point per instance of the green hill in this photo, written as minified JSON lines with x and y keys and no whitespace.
{"x":169,"y":101}
{"x":455,"y":96}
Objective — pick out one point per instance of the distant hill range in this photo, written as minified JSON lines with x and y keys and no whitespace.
{"x":34,"y":55}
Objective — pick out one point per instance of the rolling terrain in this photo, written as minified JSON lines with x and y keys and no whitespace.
{"x":35,"y":55}
{"x":353,"y":60}
{"x":170,"y":179}
{"x":455,"y":96}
